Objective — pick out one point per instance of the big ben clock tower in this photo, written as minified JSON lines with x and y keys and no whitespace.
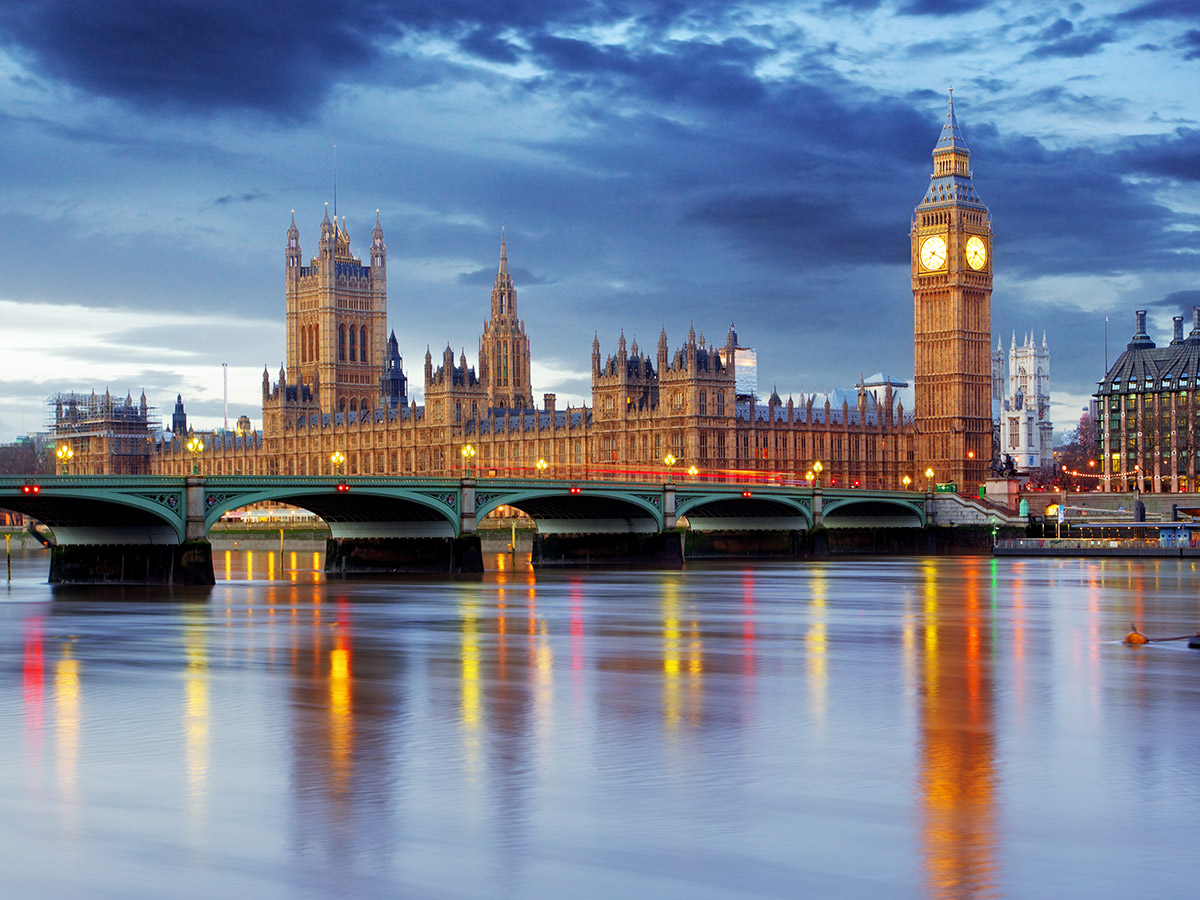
{"x":952,"y":318}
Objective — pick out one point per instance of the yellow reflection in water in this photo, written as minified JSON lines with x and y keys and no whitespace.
{"x":316,"y":567}
{"x":817,"y":644}
{"x":271,"y":565}
{"x":249,"y":565}
{"x":196,"y":711}
{"x":229,"y":565}
{"x":341,"y":716}
{"x":671,"y":655}
{"x":470,"y":708}
{"x":292,"y":566}
{"x":66,"y":706}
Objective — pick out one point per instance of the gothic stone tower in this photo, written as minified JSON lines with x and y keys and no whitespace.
{"x":336,"y":318}
{"x":952,"y":319}
{"x":503,"y":347}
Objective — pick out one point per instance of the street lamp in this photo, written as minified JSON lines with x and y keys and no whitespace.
{"x":907,"y":482}
{"x":542,"y":465}
{"x":338,"y":459}
{"x":64,"y":454}
{"x":693,"y":471}
{"x":929,"y":478}
{"x":468,"y":454}
{"x":195,"y":446}
{"x":817,"y":470}
{"x":668,"y":461}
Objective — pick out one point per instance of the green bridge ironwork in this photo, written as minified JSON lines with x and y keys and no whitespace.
{"x":95,"y":509}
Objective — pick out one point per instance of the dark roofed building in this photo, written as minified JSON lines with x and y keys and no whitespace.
{"x":1148,"y":412}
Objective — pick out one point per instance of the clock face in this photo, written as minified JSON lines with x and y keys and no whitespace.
{"x":933,"y":252}
{"x":976,"y":251}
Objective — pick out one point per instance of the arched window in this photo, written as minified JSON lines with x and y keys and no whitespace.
{"x":364,"y":406}
{"x":362,"y":343}
{"x":316,"y":343}
{"x":341,"y":343}
{"x":353,"y":401}
{"x":353,"y":342}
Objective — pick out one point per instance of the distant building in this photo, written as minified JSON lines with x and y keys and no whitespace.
{"x":1149,"y":414}
{"x":1021,"y":404}
{"x":105,"y":436}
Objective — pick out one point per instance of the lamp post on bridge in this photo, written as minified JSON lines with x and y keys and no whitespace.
{"x":65,"y":454}
{"x":468,"y":454}
{"x":195,"y":446}
{"x":669,"y":460}
{"x":542,"y":465}
{"x":338,"y":459}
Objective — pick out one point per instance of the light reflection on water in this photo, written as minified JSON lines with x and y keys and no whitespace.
{"x":904,"y":728}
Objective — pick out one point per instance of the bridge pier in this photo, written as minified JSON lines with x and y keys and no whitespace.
{"x":350,"y":557}
{"x":189,"y":563}
{"x":651,"y":550}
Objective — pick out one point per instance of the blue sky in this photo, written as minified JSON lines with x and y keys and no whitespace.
{"x":655,"y":164}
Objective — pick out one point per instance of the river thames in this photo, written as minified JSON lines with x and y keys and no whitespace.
{"x":882,"y":728}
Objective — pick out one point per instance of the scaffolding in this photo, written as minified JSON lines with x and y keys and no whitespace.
{"x":106,"y":435}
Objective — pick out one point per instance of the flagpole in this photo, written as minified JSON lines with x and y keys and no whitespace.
{"x":1106,"y":346}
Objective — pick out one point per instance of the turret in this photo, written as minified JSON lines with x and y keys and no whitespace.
{"x":378,"y":248}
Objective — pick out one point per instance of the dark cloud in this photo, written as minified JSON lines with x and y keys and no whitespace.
{"x":195,"y":55}
{"x":941,"y":7}
{"x":1161,"y":9}
{"x":486,"y":45}
{"x":487,"y":276}
{"x":245,"y":197}
{"x":199,"y":57}
{"x":1056,"y":30}
{"x":1189,"y":43}
{"x":1171,"y":156}
{"x":1074,"y":46}
{"x":1183,"y":301}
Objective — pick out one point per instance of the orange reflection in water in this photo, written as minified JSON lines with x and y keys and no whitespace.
{"x":957,"y":777}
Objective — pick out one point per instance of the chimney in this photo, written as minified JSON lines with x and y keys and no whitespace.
{"x":548,"y":401}
{"x":1177,"y":336}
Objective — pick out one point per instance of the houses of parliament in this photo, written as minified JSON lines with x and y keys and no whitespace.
{"x":673,"y":410}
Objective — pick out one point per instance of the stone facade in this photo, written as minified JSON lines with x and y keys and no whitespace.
{"x":952,"y":320}
{"x":1021,"y":404}
{"x":340,"y":389}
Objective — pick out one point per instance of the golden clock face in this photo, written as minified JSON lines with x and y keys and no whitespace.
{"x":976,"y":251}
{"x":933,"y":252}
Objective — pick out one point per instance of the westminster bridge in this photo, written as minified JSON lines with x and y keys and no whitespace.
{"x":155,"y":528}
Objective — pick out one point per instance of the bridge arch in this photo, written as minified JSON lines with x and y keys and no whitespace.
{"x":873,"y":512}
{"x":728,"y":511}
{"x":557,"y":510}
{"x":361,"y":511}
{"x":87,"y":512}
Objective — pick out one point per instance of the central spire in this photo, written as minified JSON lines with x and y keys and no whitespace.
{"x":503,"y":273}
{"x":951,"y":138}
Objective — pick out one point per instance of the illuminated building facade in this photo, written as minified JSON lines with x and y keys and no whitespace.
{"x":952,"y":318}
{"x":1149,"y":413}
{"x":343,"y":390}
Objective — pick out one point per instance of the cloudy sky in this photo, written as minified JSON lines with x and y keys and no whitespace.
{"x":654,"y":163}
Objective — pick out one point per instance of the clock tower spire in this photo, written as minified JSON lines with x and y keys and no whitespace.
{"x":952,"y":319}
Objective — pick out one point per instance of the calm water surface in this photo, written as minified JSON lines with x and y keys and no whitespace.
{"x":948,"y":728}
